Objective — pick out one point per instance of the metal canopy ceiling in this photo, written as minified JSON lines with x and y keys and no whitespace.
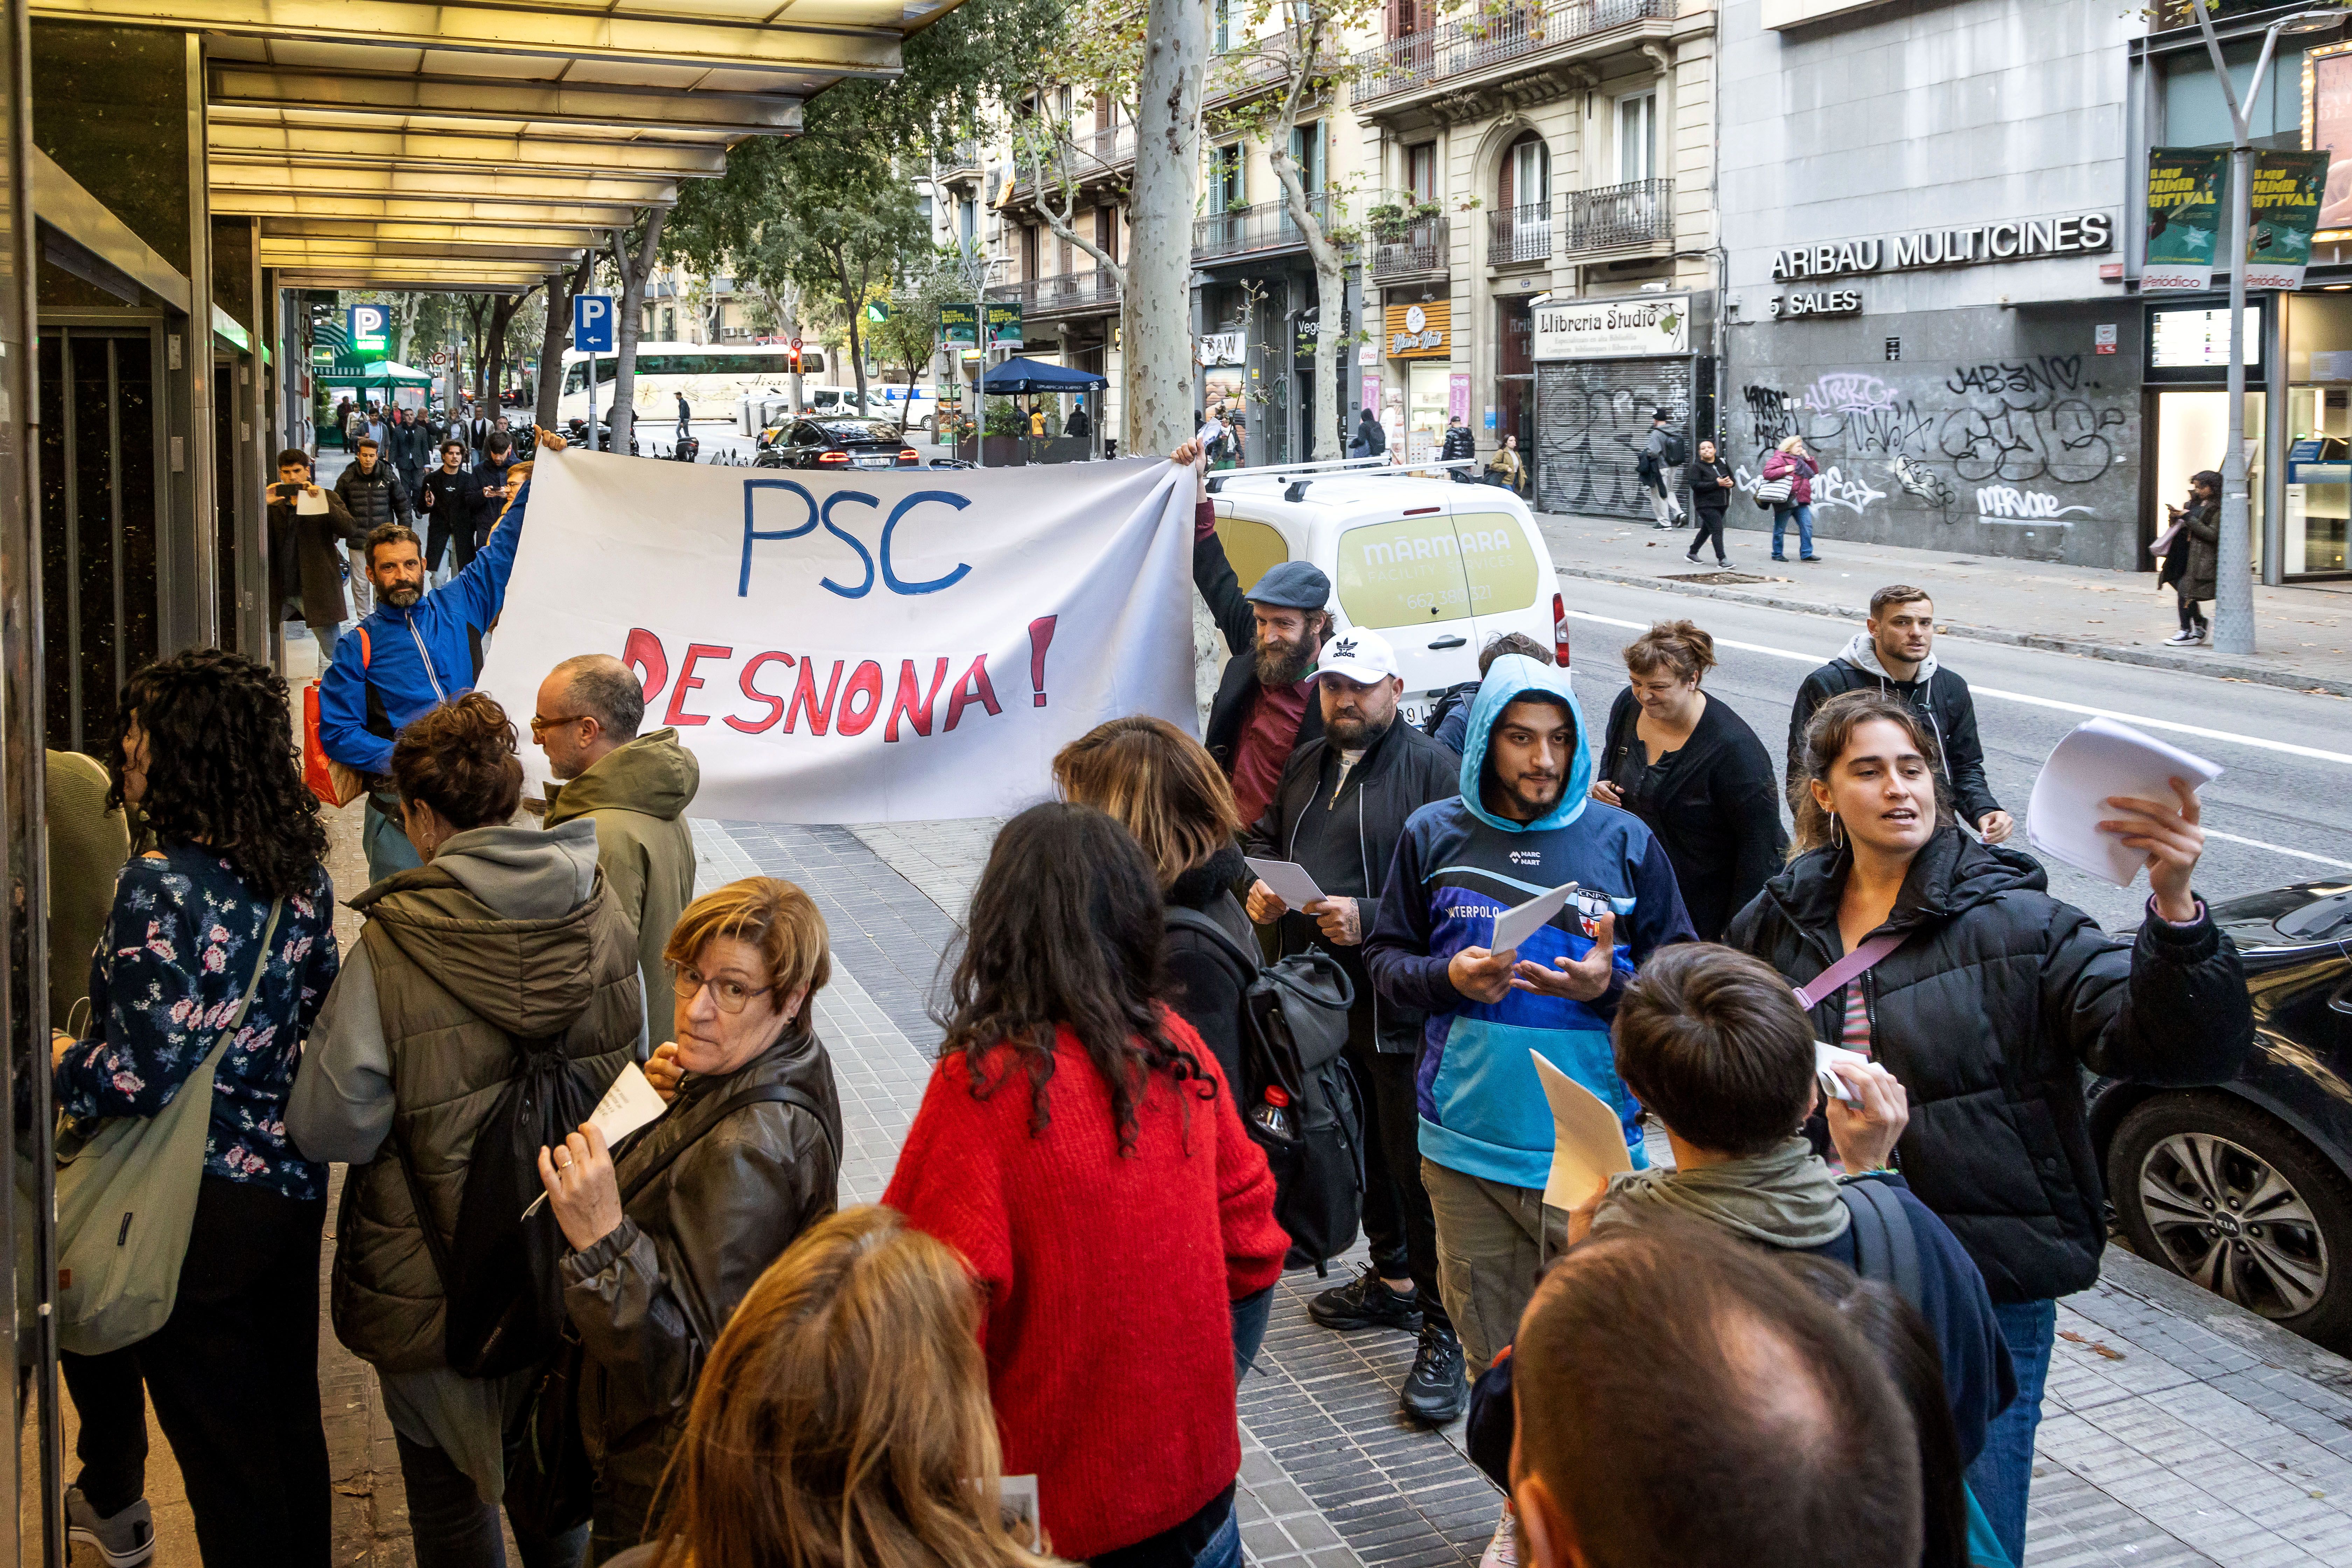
{"x":400,"y":144}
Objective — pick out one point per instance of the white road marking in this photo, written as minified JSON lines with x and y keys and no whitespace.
{"x":2287,"y":747}
{"x":2278,"y":848}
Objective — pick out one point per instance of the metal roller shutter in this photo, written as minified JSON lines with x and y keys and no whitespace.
{"x":1592,"y":418}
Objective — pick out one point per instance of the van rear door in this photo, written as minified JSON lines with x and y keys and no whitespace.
{"x":1505,"y":571}
{"x":1403,"y":578}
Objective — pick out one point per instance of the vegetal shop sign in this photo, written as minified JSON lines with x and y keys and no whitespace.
{"x":2009,"y":240}
{"x":1635,"y":326}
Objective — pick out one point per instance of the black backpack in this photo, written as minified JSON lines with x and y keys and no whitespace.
{"x":1884,"y":1247}
{"x":1676,"y":453}
{"x":504,"y":1300}
{"x":1453,"y":697}
{"x":1294,"y":1032}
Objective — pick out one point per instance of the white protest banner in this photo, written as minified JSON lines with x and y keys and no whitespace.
{"x":892,"y":645}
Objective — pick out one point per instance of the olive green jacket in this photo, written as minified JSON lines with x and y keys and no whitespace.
{"x":637,"y":797}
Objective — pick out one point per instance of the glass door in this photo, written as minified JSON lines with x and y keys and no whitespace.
{"x":2319,"y":489}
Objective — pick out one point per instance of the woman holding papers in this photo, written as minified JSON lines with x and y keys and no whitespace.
{"x":503,"y":935}
{"x":1987,"y":999}
{"x":747,"y":1158}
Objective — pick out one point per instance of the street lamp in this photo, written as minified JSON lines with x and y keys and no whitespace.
{"x":2233,"y":598}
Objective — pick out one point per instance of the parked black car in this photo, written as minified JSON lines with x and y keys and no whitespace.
{"x":838,"y":443}
{"x":2246,"y":1188}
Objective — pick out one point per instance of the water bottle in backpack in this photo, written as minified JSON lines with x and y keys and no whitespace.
{"x":1272,"y":1117}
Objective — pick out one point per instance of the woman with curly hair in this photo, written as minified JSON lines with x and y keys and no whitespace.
{"x":1076,"y":1144}
{"x":205,"y":756}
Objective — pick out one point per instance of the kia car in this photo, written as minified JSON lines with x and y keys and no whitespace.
{"x":838,"y":443}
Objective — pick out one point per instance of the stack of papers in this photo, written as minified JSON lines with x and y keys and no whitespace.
{"x":1588,"y":1140}
{"x":2101,"y":758}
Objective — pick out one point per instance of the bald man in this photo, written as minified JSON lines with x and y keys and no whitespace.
{"x":636,"y":789}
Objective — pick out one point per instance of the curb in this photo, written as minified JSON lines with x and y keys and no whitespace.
{"x":2260,"y":674}
{"x":2125,"y":1270}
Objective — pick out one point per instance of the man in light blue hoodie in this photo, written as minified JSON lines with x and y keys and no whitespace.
{"x":1522,"y":825}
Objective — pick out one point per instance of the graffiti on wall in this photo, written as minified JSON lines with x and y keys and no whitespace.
{"x":1590,"y":433}
{"x":2006,"y":503}
{"x":1831,"y":487}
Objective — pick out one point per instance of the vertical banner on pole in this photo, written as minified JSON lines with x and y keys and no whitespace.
{"x":2285,"y":212}
{"x":2185,"y":186}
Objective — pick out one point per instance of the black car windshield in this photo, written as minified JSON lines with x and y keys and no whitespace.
{"x":859,"y":430}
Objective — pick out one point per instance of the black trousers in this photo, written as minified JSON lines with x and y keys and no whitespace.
{"x":1394,"y":1122}
{"x":1384,"y":1207}
{"x":1710,"y":526}
{"x":234,"y":1373}
{"x":2192,"y":613}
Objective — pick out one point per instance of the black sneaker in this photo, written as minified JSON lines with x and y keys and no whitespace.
{"x":1364,"y":1303}
{"x":1434,"y":1392}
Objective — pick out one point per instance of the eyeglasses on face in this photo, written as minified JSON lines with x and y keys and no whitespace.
{"x":539,"y":726}
{"x":732,"y":995}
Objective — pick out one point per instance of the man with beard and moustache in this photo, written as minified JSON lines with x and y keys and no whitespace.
{"x":415,"y":651}
{"x":1264,"y":710}
{"x":1338,"y":811}
{"x":1522,"y":823}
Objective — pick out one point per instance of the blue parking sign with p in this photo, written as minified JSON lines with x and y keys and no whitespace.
{"x":592,"y":323}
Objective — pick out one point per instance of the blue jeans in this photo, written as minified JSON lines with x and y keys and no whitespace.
{"x":1803,"y":511}
{"x":2004,"y":1472}
{"x":1224,"y":1548}
{"x":388,"y":848}
{"x":452,"y":1527}
{"x":1250,"y":1314}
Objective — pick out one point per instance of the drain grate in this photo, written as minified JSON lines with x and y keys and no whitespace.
{"x":1717,"y":579}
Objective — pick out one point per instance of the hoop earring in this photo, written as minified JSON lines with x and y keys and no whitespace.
{"x":1837,"y":831}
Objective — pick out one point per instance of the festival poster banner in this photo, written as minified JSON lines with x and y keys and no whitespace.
{"x":895,"y":646}
{"x":2284,"y":214}
{"x":2185,"y":187}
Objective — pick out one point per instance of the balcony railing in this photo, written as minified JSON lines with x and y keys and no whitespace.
{"x":1501,"y":34}
{"x":1261,"y":225}
{"x":1420,"y":249}
{"x":1061,"y":293}
{"x":1520,"y":234}
{"x":1617,"y":218}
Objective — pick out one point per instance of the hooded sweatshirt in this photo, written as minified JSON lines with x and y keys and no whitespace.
{"x":1939,"y":695}
{"x":637,"y":794}
{"x":1459,"y":865}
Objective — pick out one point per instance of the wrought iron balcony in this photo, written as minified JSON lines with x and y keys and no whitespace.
{"x":1261,"y":225}
{"x":1420,"y":248}
{"x":1495,"y":35}
{"x":1065,"y":293}
{"x":1622,"y":218}
{"x":1520,"y":234}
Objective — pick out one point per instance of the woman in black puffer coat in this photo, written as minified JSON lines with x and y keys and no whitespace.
{"x":1997,"y":999}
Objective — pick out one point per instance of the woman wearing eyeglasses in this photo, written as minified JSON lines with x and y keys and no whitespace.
{"x":746,"y":1158}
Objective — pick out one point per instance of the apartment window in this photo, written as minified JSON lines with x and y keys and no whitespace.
{"x":1106,"y":231}
{"x":1527,"y":175}
{"x":966,"y":216}
{"x":1307,"y":154}
{"x":1637,"y":136}
{"x":1029,"y":250}
{"x":1224,"y":25}
{"x":1421,"y":169}
{"x":1226,"y":191}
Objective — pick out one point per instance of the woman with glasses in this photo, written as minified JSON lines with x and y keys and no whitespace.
{"x":747,"y":1157}
{"x":504,"y":939}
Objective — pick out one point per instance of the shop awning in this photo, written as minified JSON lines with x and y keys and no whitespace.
{"x":349,"y":372}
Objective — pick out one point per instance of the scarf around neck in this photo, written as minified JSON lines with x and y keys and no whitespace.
{"x":1784,"y":1197}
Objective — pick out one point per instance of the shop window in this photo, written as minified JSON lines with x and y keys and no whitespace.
{"x":1402,"y":573}
{"x":1498,"y":560}
{"x":1637,"y":136}
{"x":1252,"y":549}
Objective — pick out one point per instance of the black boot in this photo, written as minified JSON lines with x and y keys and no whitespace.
{"x":1365,"y":1302}
{"x":1434,"y":1392}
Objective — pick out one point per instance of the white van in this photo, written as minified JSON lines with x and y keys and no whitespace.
{"x":1436,"y":567}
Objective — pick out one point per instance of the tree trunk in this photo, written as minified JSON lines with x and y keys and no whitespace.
{"x":635,"y":268}
{"x":853,"y":300}
{"x":561,"y":287}
{"x":1156,"y":310}
{"x":1330,"y":281}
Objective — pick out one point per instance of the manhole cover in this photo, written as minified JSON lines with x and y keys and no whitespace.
{"x":1714,"y":579}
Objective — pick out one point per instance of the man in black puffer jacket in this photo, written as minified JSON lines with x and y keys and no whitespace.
{"x":1459,"y":443}
{"x":372,"y":490}
{"x":1338,"y":811}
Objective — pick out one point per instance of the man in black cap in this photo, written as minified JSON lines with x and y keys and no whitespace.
{"x":1265,"y":705}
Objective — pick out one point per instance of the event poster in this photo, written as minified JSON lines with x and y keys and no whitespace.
{"x":901,"y":645}
{"x":2185,"y":186}
{"x":2281,"y":217}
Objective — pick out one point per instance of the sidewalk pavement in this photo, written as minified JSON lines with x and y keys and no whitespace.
{"x":2303,"y":634}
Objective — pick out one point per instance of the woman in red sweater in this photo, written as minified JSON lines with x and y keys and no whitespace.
{"x":1079,"y":1144}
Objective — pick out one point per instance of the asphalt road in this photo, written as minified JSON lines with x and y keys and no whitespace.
{"x":2287,"y":813}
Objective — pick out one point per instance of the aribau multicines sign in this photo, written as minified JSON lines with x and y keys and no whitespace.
{"x":2009,"y":240}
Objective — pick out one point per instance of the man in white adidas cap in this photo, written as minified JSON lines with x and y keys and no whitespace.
{"x":1337,"y":811}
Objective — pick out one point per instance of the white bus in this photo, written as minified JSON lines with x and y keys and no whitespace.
{"x":713,"y":376}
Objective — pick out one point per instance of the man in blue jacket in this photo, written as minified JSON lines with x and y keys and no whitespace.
{"x":1522,"y":825}
{"x":416,"y":651}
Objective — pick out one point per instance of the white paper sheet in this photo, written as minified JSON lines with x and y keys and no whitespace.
{"x":307,"y":504}
{"x":1515,"y":925}
{"x":628,"y":1105}
{"x":1588,"y":1140}
{"x":2098,"y":759}
{"x":1287,"y":881}
{"x":1825,"y":1055}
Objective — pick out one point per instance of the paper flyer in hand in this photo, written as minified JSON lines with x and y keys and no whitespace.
{"x":2098,"y":759}
{"x":1286,"y":881}
{"x":1588,"y":1140}
{"x":1520,"y":921}
{"x":309,"y":504}
{"x":1825,"y":1056}
{"x":628,"y":1105}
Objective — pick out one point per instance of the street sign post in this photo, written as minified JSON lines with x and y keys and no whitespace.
{"x":592,"y":334}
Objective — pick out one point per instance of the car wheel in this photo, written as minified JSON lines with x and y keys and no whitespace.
{"x":2224,"y":1194}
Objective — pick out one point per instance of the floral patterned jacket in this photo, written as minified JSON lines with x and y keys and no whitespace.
{"x":166,"y":980}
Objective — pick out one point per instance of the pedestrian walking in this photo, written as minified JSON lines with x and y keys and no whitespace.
{"x":444,"y":498}
{"x":494,"y":484}
{"x":746,"y":1159}
{"x":217,"y":952}
{"x":374,"y":494}
{"x":1080,"y":424}
{"x":1369,"y":431}
{"x":1990,"y":1001}
{"x":409,"y":450}
{"x":2192,"y":562}
{"x":503,"y":945}
{"x":1895,"y":652}
{"x":685,"y":417}
{"x":307,"y":567}
{"x":415,"y":651}
{"x":1133,"y":1183}
{"x":634,"y":788}
{"x":1791,"y":462}
{"x":1659,"y":468}
{"x":1523,"y":819}
{"x":846,"y":1401}
{"x":1459,"y":443}
{"x":478,"y":427}
{"x":1505,"y":470}
{"x":1711,"y":484}
{"x":1693,"y":770}
{"x":1263,"y":709}
{"x":1342,"y":806}
{"x":1768,"y":1432}
{"x":1157,"y":783}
